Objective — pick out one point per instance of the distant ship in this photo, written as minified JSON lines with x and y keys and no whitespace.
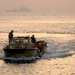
{"x":21,"y":9}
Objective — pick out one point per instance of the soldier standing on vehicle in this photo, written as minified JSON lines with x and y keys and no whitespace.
{"x":33,"y":39}
{"x":10,"y":36}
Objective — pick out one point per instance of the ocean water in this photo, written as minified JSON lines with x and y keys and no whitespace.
{"x":57,"y":30}
{"x":25,"y":23}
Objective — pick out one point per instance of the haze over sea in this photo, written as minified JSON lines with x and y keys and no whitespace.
{"x":38,"y":23}
{"x":58,"y":30}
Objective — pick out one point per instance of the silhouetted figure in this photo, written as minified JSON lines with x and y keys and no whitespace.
{"x":10,"y":36}
{"x":33,"y":39}
{"x":39,"y":46}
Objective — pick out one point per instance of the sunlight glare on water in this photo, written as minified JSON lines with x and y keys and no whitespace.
{"x":57,"y":30}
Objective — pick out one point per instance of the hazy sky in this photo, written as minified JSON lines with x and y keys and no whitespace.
{"x":38,"y":5}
